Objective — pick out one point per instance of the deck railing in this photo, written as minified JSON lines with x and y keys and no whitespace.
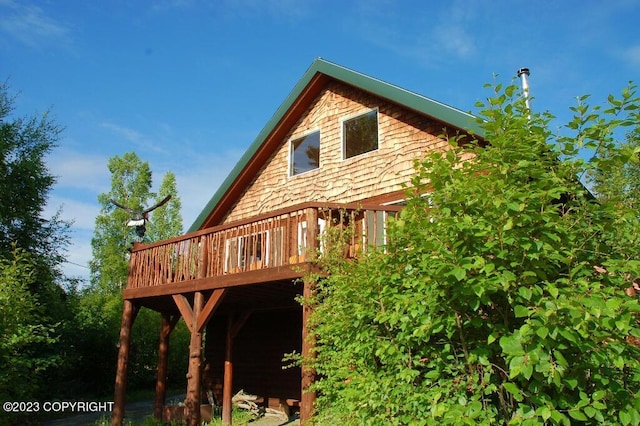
{"x":280,"y":238}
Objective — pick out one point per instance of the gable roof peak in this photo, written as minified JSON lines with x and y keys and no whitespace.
{"x":312,"y":80}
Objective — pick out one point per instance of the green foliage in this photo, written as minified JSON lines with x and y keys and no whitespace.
{"x":618,"y":178}
{"x":33,"y":300}
{"x":166,"y":222}
{"x":500,"y":297}
{"x":131,"y":181}
{"x":25,"y":181}
{"x":240,"y":417}
{"x":22,"y":332}
{"x":99,"y":306}
{"x":131,"y":186}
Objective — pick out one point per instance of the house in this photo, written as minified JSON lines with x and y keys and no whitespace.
{"x":337,"y":150}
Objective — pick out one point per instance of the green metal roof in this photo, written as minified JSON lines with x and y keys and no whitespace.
{"x":437,"y":110}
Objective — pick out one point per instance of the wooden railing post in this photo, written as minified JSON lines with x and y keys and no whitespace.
{"x":129,"y":312}
{"x":203,"y":259}
{"x":312,"y":233}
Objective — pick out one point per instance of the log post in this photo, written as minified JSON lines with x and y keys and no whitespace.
{"x":129,"y":312}
{"x":227,"y":384}
{"x":192,"y":402}
{"x":234,"y":325}
{"x":168,"y":323}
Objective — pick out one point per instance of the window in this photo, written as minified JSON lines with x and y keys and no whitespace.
{"x":375,"y":227}
{"x":305,"y":153}
{"x":360,"y":134}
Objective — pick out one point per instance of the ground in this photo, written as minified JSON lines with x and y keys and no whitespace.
{"x":137,"y":412}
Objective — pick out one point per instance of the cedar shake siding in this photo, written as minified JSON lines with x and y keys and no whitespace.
{"x":403,"y":137}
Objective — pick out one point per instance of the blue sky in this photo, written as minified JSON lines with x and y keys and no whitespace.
{"x":188,"y":84}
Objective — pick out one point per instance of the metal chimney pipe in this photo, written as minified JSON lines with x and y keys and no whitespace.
{"x":524,"y":74}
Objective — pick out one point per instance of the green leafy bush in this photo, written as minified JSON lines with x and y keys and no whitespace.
{"x":500,"y":297}
{"x":23,"y":333}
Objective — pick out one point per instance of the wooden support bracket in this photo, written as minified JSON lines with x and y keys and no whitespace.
{"x":209,"y":308}
{"x":185,"y":310}
{"x":205,"y":315}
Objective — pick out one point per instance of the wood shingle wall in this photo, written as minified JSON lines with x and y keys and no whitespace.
{"x":403,"y":137}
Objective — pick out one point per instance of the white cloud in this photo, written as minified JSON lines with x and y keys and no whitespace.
{"x":81,"y":213}
{"x":139,"y":140}
{"x":197,"y":183}
{"x":455,"y":40}
{"x":79,"y":171}
{"x":432,"y":37}
{"x":78,"y":256}
{"x":31,"y":25}
{"x":632,"y":55}
{"x":454,"y":33}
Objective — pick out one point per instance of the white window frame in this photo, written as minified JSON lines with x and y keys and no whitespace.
{"x":343,"y":142}
{"x":291,"y":150}
{"x":366,"y":240}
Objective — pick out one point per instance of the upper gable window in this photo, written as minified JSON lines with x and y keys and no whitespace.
{"x":305,"y":153}
{"x":360,"y":134}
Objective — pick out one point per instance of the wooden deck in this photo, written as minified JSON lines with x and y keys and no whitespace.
{"x":268,"y":248}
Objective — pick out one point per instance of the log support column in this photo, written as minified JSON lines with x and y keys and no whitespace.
{"x":196,"y":319}
{"x":168,"y":324}
{"x":194,"y":376}
{"x":227,"y":384}
{"x":129,"y":313}
{"x":233,"y":327}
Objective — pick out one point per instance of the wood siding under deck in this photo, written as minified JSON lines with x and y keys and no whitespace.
{"x":265,"y":248}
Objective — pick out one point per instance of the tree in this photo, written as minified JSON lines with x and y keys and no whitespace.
{"x":23,"y":332}
{"x":618,"y":179}
{"x":131,"y":181}
{"x":131,"y":186}
{"x":166,"y":222}
{"x":100,"y":306}
{"x":25,"y":183}
{"x":33,"y":300}
{"x":500,"y":297}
